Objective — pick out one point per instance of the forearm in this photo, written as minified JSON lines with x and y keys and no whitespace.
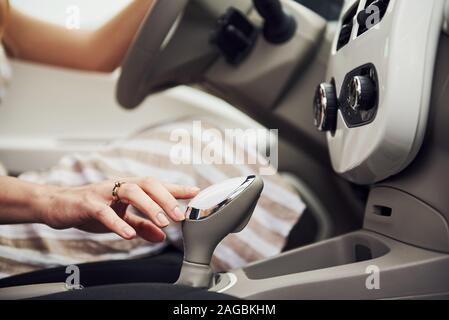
{"x":111,"y":42}
{"x":19,"y":201}
{"x":99,"y":50}
{"x":27,"y":38}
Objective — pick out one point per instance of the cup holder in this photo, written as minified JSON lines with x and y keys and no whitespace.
{"x":341,"y":251}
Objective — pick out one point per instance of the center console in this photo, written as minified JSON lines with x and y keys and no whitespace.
{"x":384,"y":111}
{"x":340,"y":269}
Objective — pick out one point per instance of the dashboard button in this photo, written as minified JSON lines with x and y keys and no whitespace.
{"x":325,"y":107}
{"x":361,"y":93}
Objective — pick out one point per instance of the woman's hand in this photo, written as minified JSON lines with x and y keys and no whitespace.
{"x":92,"y":208}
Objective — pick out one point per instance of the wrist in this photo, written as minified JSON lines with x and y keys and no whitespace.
{"x":40,"y":203}
{"x":24,"y":202}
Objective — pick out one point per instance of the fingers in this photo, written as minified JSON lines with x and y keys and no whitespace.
{"x":177,"y":191}
{"x":153,"y":198}
{"x":107,"y":216}
{"x":181,"y":192}
{"x":163,"y":197}
{"x":132,"y":194}
{"x":145,"y":228}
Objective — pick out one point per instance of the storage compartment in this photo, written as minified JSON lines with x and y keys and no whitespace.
{"x":337,"y":252}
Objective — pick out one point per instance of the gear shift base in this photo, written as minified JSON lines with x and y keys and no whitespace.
{"x":196,"y":275}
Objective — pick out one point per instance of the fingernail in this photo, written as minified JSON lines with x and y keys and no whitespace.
{"x":129,"y":232}
{"x":163,"y":221}
{"x":195,"y":189}
{"x":179,"y":214}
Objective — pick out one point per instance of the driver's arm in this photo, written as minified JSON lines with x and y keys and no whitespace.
{"x":100,"y":50}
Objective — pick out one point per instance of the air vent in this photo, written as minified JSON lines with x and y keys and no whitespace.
{"x":347,"y":26}
{"x":371,"y":15}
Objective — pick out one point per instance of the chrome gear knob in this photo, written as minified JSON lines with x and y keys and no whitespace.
{"x":213,"y":214}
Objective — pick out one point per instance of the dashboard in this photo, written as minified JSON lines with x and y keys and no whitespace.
{"x":375,"y":104}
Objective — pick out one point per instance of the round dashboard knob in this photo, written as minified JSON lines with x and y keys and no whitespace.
{"x":362,"y":93}
{"x":325,"y":107}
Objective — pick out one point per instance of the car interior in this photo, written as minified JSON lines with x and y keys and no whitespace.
{"x":361,"y":109}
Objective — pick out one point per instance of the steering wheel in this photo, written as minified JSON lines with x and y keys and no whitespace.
{"x":141,"y":64}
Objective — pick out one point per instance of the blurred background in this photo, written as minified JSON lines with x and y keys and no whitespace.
{"x":94,"y":13}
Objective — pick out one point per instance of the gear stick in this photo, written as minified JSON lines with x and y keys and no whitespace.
{"x":213,"y":214}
